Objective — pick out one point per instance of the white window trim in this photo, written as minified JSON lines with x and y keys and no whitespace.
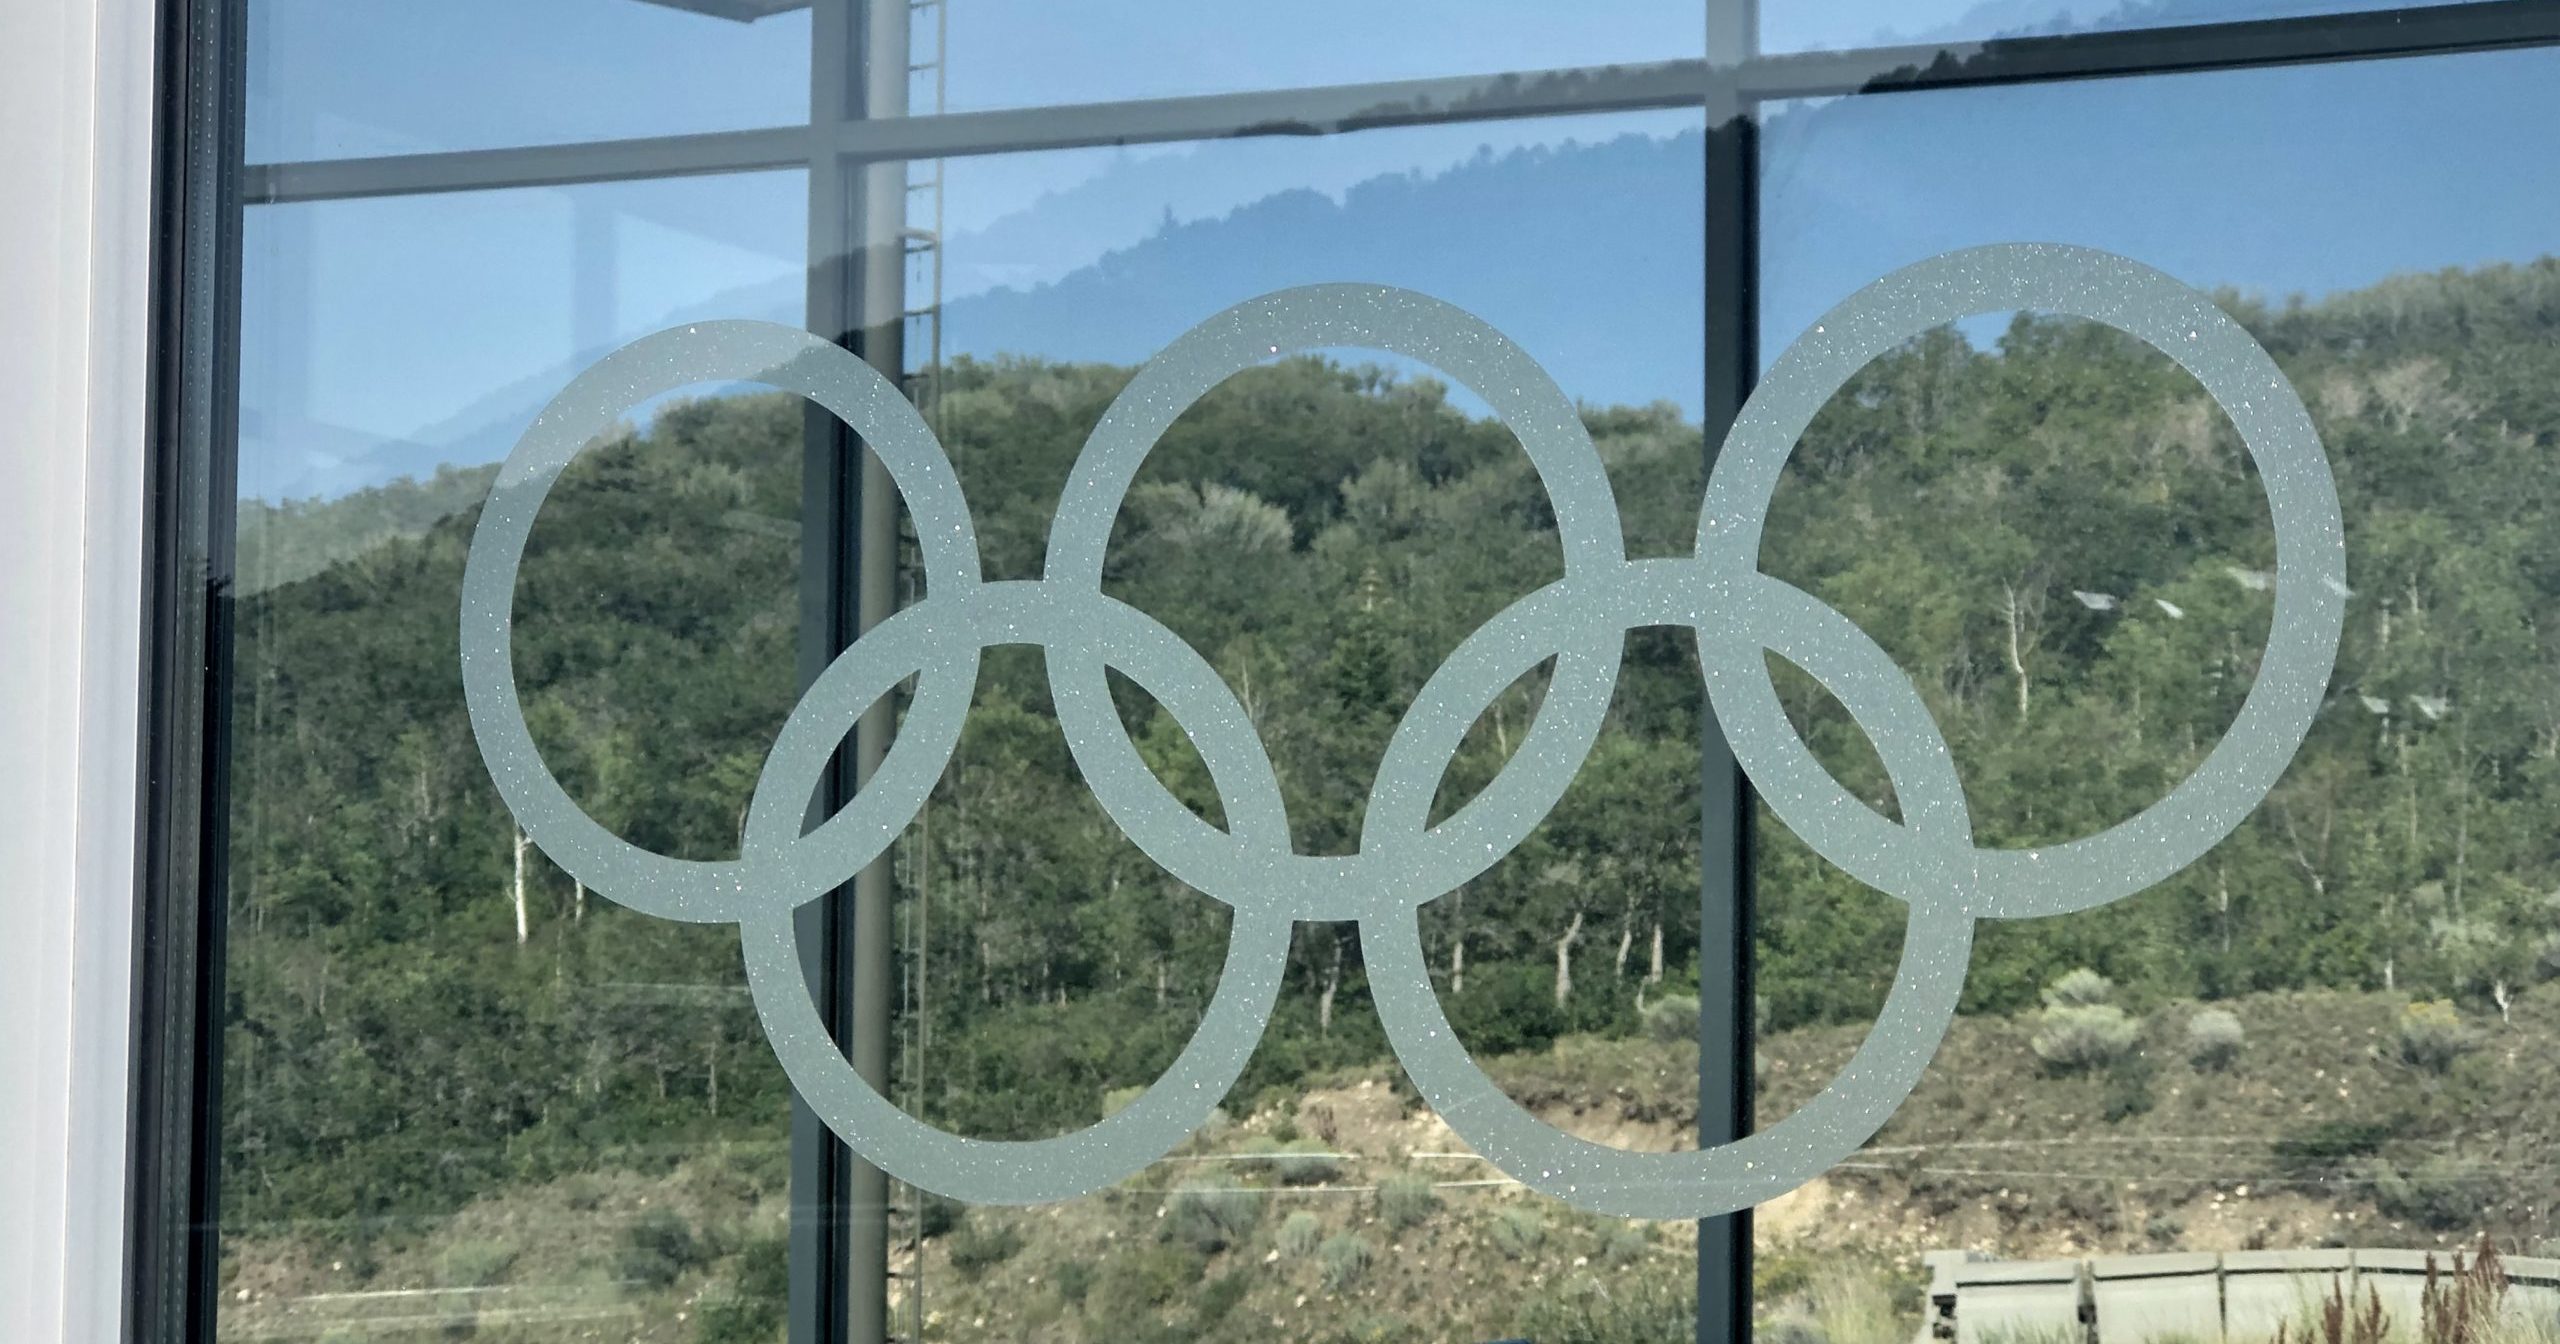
{"x":76,"y":123}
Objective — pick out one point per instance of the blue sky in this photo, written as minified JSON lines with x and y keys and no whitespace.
{"x":414,"y":322}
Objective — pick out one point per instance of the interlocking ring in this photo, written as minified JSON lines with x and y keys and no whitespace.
{"x":1928,"y":860}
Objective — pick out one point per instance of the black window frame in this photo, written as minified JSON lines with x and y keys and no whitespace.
{"x":203,"y":188}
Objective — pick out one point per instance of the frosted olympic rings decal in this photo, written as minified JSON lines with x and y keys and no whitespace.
{"x":1928,"y":860}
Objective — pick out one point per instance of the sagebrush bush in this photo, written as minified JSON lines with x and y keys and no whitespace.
{"x":2443,"y":1192}
{"x":1210,"y":1216}
{"x":936,"y":1215}
{"x":1073,"y":1279}
{"x":2432,"y":1035}
{"x":1790,"y":1328}
{"x":1215,"y":1300}
{"x":1307,"y":1162}
{"x":1138,"y":1280}
{"x":474,"y":1264}
{"x":1406,"y":1200}
{"x":2085,"y":1036}
{"x":1623,"y":1244}
{"x":1258,"y":1154}
{"x":1641,"y":1309}
{"x":2214,"y":1038}
{"x":977,"y":1248}
{"x":726,"y":1316}
{"x":1671,"y":1019}
{"x":657,"y":1248}
{"x":1518,"y":1231}
{"x":1299,"y":1234}
{"x":2083,"y":988}
{"x":1343,"y":1259}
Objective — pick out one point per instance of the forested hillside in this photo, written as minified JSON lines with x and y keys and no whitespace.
{"x":2058,"y":538}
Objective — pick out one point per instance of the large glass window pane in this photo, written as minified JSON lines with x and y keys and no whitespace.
{"x":333,"y":81}
{"x":2318,"y":1039}
{"x":461,"y":1093}
{"x":1323,"y":529}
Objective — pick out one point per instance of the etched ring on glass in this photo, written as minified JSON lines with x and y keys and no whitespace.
{"x":1929,"y":860}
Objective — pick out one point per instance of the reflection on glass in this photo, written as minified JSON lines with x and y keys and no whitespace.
{"x":1022,"y":53}
{"x":1323,"y":530}
{"x":1848,"y":24}
{"x":2321,"y":1040}
{"x":461,"y":1096}
{"x":330,"y":81}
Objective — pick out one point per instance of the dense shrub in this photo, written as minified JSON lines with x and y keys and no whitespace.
{"x":737,"y":1317}
{"x":1793,"y":1328}
{"x":1623,"y":1244}
{"x":1259,"y":1154}
{"x":977,"y":1247}
{"x":2084,"y":1036}
{"x":1508,"y":1007}
{"x":2432,"y":1035}
{"x":2442,"y":1192}
{"x":1406,"y":1200}
{"x":936,"y":1215}
{"x":1642,"y":1309}
{"x":2083,"y":988}
{"x":1136,"y":1281}
{"x":1210,"y":1216}
{"x":1216,"y":1298}
{"x":2125,"y":1089}
{"x":1518,"y":1231}
{"x":1307,"y":1162}
{"x":1073,"y":1279}
{"x":474,"y":1264}
{"x":657,"y":1248}
{"x":2330,"y":1149}
{"x":2214,"y":1038}
{"x":1343,"y":1259}
{"x":1672,"y":1018}
{"x":1299,"y":1234}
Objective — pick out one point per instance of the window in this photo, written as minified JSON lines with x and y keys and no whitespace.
{"x":939,"y":671}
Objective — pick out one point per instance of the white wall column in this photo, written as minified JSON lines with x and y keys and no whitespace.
{"x":75,"y":230}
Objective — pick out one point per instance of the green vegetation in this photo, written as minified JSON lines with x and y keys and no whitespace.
{"x":397,"y":1054}
{"x":2214,"y":1038}
{"x":474,"y":1264}
{"x":658,"y":1247}
{"x":2085,"y":1036}
{"x":2081,"y":988}
{"x":1306,"y":1162}
{"x":1645,"y":1311}
{"x":1210,"y":1216}
{"x":1299,"y":1233}
{"x":1343,"y":1259}
{"x":981,"y":1245}
{"x":1406,"y":1200}
{"x":2432,"y":1035}
{"x":1518,"y":1230}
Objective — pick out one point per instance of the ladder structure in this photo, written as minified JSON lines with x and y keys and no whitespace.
{"x":929,"y":27}
{"x":929,"y":31}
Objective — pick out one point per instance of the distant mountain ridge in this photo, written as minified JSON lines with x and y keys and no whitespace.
{"x":1590,"y":253}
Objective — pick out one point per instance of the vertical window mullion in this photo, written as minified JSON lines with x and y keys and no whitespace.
{"x":1725,"y":1026}
{"x":182,"y":901}
{"x":821,"y":1164}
